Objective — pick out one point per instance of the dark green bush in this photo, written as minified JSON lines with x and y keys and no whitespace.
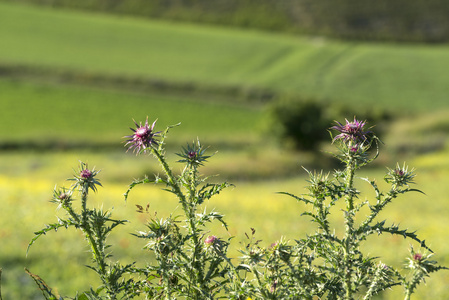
{"x":299,"y":124}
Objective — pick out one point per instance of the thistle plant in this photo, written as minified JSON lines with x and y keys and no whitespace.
{"x":96,"y":226}
{"x":189,"y":262}
{"x":332,"y":266}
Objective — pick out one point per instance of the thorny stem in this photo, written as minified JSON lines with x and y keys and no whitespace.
{"x":193,"y":173}
{"x":407,"y":295}
{"x":188,"y":207}
{"x":166,"y":278}
{"x":379,"y":206}
{"x":349,"y":227}
{"x":371,"y":290}
{"x":171,"y":178}
{"x":99,"y":257}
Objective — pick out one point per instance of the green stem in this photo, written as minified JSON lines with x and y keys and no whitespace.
{"x":408,"y":292}
{"x":188,"y":207}
{"x":85,"y":227}
{"x":1,"y":284}
{"x":379,"y":207}
{"x":171,"y":178}
{"x":193,"y":176}
{"x":349,"y":227}
{"x":165,"y":277}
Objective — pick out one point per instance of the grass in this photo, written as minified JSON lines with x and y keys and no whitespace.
{"x":69,"y":113}
{"x":404,"y":78}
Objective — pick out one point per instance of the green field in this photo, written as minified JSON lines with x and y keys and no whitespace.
{"x":410,"y":78}
{"x":48,"y":123}
{"x":69,"y":113}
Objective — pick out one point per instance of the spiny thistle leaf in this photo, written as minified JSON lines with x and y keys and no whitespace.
{"x":209,"y":190}
{"x":51,"y":227}
{"x":394,"y":230}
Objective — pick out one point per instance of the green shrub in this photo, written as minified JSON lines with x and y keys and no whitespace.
{"x":299,"y":124}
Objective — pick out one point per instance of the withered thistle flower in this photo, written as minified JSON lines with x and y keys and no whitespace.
{"x":142,"y":138}
{"x":351,"y":131}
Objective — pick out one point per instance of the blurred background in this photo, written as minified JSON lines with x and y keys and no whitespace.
{"x":259,"y":82}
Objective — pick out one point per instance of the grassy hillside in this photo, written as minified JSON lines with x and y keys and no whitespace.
{"x":399,"y":20}
{"x":64,"y":114}
{"x":404,"y":78}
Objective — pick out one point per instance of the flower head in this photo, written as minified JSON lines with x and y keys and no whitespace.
{"x":193,"y":155}
{"x":86,"y":174}
{"x":351,"y":131}
{"x":214,"y":244}
{"x":62,"y":197}
{"x":210,"y":240}
{"x":142,"y":138}
{"x":417,"y":257}
{"x":422,"y":262}
{"x":400,"y":176}
{"x":85,"y":179}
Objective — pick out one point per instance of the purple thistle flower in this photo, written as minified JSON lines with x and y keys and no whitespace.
{"x":191,"y":154}
{"x":417,"y":257}
{"x":143,"y":137}
{"x":399,"y":172}
{"x":85,"y":179}
{"x":400,"y":176}
{"x":85,"y":174}
{"x":210,"y":240}
{"x":62,"y":196}
{"x":352,"y":131}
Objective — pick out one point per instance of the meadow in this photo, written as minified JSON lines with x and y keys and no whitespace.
{"x":47,"y":126}
{"x":401,"y":77}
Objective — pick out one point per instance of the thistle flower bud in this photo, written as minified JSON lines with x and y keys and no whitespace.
{"x":400,"y":176}
{"x":85,"y":179}
{"x":62,"y":196}
{"x":193,"y":155}
{"x":417,"y":257}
